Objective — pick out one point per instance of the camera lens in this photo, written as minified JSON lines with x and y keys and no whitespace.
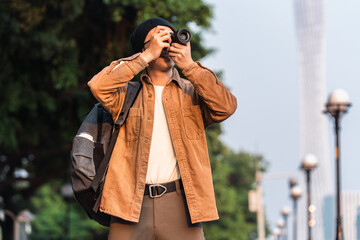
{"x":182,"y":36}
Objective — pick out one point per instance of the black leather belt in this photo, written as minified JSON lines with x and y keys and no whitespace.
{"x":157,"y":190}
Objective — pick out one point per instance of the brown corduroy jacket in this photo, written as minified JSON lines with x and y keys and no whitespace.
{"x":190,"y":105}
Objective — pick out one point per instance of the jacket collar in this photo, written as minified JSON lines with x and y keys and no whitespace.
{"x":175,"y":77}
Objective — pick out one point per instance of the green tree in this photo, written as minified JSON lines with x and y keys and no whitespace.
{"x":49,"y":51}
{"x":233,"y":176}
{"x":54,"y":215}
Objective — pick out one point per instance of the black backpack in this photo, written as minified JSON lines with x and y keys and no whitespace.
{"x":91,"y":152}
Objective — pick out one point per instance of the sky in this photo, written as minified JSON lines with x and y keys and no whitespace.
{"x":256,"y":48}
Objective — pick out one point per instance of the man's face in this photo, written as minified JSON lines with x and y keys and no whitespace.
{"x":164,"y":61}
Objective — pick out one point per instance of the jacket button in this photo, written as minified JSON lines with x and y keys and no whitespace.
{"x":146,"y":140}
{"x":150,"y":95}
{"x":143,"y":164}
{"x":149,"y":117}
{"x":140,"y":187}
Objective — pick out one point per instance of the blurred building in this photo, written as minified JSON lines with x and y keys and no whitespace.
{"x":358,"y":224}
{"x":310,"y":30}
{"x":329,"y":217}
{"x":350,"y":211}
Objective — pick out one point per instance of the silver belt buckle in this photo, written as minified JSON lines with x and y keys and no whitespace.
{"x":156,"y":185}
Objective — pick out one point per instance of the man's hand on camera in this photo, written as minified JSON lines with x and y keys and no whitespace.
{"x":159,"y":40}
{"x":181,"y":54}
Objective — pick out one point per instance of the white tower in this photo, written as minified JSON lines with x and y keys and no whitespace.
{"x":310,"y":30}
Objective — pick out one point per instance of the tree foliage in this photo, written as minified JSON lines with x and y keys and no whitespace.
{"x":233,"y":177}
{"x":49,"y":51}
{"x":54,"y":214}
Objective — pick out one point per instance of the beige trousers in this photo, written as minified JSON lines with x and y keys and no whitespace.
{"x":163,"y":218}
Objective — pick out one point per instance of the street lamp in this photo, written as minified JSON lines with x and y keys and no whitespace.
{"x":295,"y":195}
{"x":67,"y":192}
{"x":292,"y":182}
{"x":280,"y":224}
{"x":308,"y":164}
{"x":285,"y":213}
{"x":24,"y":219}
{"x":21,"y":222}
{"x":337,"y":105}
{"x":276,"y":233}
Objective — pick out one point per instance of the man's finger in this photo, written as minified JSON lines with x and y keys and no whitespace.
{"x":165,"y":45}
{"x":178,"y":46}
{"x":172,"y":54}
{"x":163,"y":33}
{"x":165,"y":37}
{"x":159,"y":29}
{"x":174,"y":49}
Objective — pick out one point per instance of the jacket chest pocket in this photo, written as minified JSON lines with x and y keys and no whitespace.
{"x":193,"y":122}
{"x":129,"y":132}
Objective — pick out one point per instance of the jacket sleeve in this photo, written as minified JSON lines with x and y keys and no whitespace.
{"x":217,"y":103}
{"x":109,"y":85}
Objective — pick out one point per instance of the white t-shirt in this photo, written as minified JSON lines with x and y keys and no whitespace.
{"x":162,"y":166}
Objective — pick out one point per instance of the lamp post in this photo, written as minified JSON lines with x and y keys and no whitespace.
{"x":256,"y":199}
{"x":24,"y":219}
{"x":285,"y":213}
{"x":295,"y":195}
{"x":280,"y":224}
{"x":276,"y":233}
{"x":67,"y":192}
{"x":292,"y":182}
{"x":21,"y":222}
{"x":337,"y":105}
{"x":308,"y":164}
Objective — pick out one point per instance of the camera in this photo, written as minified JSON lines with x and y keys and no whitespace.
{"x":182,"y":36}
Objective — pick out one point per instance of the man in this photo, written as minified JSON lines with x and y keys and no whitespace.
{"x":159,"y":184}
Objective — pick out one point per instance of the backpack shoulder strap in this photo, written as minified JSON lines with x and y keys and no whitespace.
{"x":131,"y":94}
{"x":100,"y":116}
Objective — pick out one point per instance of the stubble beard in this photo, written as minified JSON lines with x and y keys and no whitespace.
{"x":163,"y":63}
